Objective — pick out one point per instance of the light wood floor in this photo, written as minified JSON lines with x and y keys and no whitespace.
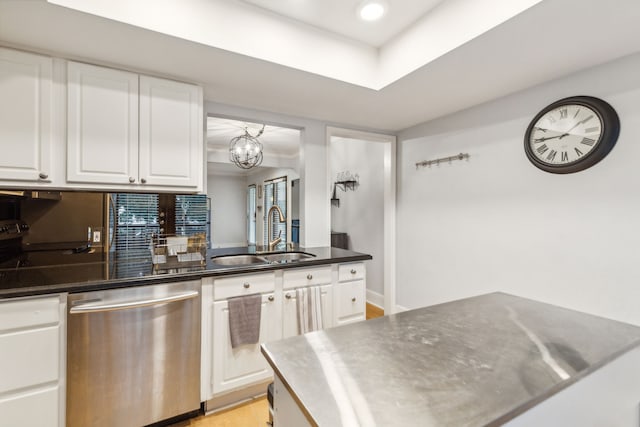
{"x":254,"y":413}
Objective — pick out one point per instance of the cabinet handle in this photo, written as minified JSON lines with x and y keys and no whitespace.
{"x":43,"y":175}
{"x":353,"y":271}
{"x":246,"y":285}
{"x":142,"y":180}
{"x":309,"y":276}
{"x":353,"y":299}
{"x":132,"y":179}
{"x":287,"y":296}
{"x":270,"y":298}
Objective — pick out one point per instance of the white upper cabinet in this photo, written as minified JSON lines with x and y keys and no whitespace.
{"x":131,"y":132}
{"x":102,"y":125}
{"x":25,"y":116}
{"x":170,"y":133}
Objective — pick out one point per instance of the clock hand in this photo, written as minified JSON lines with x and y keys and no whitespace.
{"x":549,"y":137}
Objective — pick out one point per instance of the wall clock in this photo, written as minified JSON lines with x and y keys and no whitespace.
{"x":571,"y":134}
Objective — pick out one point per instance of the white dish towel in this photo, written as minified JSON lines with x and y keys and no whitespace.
{"x":309,"y":309}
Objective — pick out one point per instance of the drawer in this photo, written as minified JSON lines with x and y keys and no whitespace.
{"x":351,"y":271}
{"x":29,"y":312}
{"x":306,"y":277}
{"x":243,"y":285}
{"x":32,"y":409}
{"x":29,"y":358}
{"x":350,"y":300}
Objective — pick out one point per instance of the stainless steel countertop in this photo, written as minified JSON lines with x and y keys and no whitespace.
{"x":473,"y":362}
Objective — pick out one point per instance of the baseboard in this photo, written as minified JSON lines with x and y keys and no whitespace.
{"x":375,"y":298}
{"x":235,"y":398}
{"x":400,"y":308}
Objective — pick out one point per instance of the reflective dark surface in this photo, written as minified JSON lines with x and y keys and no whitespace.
{"x":94,"y":271}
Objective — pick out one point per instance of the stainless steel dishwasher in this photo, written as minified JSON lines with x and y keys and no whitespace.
{"x":133,"y":355}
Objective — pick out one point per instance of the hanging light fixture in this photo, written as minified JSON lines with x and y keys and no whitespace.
{"x":245,"y":151}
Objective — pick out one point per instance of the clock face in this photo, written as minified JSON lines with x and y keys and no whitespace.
{"x":565,"y":134}
{"x":571,"y":134}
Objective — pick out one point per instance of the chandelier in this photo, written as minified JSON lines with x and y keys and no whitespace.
{"x":245,"y":151}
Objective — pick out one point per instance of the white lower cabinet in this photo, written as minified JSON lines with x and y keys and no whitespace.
{"x":302,"y":278}
{"x":229,"y":375}
{"x":243,"y":365}
{"x":32,"y":363}
{"x":226,"y":369}
{"x":350,"y":294}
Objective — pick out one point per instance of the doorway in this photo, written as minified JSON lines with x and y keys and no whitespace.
{"x":365,"y":205}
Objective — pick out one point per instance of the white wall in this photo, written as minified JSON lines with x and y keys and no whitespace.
{"x":228,"y":210}
{"x":361,"y":212}
{"x":497,"y":223}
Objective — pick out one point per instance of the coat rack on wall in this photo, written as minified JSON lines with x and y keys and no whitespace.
{"x":345,"y":181}
{"x":461,"y":156}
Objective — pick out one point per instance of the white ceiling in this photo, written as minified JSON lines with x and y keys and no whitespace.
{"x":340,"y":16}
{"x":275,"y":140}
{"x":459,"y":54}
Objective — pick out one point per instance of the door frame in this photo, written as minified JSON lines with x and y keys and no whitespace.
{"x":389,"y":142}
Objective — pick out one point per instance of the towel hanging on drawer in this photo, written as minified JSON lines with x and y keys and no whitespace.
{"x":309,"y":309}
{"x":244,"y":319}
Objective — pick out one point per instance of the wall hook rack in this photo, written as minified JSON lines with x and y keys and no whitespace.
{"x":461,"y":156}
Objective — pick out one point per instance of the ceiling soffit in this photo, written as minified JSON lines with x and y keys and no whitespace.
{"x":248,"y":30}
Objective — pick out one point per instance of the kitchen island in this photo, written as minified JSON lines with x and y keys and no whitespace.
{"x":490,"y":360}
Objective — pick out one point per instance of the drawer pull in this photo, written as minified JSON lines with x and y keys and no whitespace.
{"x":270,"y":298}
{"x":287,"y":296}
{"x":132,"y":179}
{"x":353,"y":271}
{"x":43,"y":175}
{"x":309,"y":276}
{"x":353,"y":299}
{"x":246,"y":285}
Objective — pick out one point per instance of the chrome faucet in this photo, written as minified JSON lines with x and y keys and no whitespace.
{"x":273,"y":243}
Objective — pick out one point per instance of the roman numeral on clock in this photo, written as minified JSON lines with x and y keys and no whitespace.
{"x":552,"y":155}
{"x":588,"y":141}
{"x":578,"y":152}
{"x":592,"y":130}
{"x":563,"y":113}
{"x":542,"y":149}
{"x":565,"y":156}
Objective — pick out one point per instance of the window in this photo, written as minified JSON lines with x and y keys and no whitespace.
{"x":275,"y":193}
{"x":251,"y":215}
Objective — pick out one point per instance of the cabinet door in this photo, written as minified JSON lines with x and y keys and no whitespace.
{"x":244,"y":365}
{"x":102,"y":125}
{"x":171,"y":135}
{"x":349,"y":302}
{"x":25,"y":116}
{"x":289,"y":310}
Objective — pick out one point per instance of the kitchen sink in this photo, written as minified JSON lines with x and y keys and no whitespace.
{"x":284,"y":257}
{"x":238,"y":260}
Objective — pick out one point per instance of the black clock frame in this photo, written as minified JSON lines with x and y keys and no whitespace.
{"x":604,"y":144}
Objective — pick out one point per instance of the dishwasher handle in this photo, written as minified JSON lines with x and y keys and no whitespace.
{"x":124,"y":305}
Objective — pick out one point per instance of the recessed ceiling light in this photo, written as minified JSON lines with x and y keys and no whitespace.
{"x":372,"y":10}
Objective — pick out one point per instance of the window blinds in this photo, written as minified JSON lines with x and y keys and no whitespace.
{"x":192,"y":215}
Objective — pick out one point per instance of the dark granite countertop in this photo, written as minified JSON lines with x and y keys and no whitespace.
{"x":96,"y":272}
{"x":473,"y":362}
